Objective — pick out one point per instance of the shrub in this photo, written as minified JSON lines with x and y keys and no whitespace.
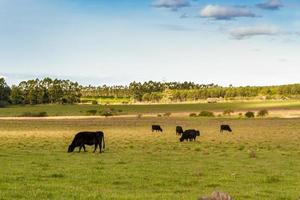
{"x":3,"y":104}
{"x":57,"y":176}
{"x":252,"y":154}
{"x":168,"y":114}
{"x":262,"y":113}
{"x":94,"y":102}
{"x":272,"y":179}
{"x":193,"y":115}
{"x":249,"y":114}
{"x":206,"y":114}
{"x":91,"y":112}
{"x":139,"y":115}
{"x":106,"y":113}
{"x":84,"y":101}
{"x":159,"y":115}
{"x":228,"y":112}
{"x":30,"y":114}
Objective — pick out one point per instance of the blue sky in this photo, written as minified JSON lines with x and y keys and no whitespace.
{"x":115,"y":42}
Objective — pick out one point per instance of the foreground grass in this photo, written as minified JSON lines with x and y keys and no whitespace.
{"x":80,"y":110}
{"x":260,"y":160}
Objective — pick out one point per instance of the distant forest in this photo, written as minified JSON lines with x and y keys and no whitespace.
{"x":55,"y":91}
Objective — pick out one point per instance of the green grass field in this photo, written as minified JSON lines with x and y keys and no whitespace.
{"x":260,"y":160}
{"x":106,"y":100}
{"x":81,"y":110}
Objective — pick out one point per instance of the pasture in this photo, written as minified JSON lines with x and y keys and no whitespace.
{"x":81,"y":110}
{"x":260,"y":160}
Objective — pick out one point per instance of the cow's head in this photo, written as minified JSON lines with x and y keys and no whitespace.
{"x":71,"y":148}
{"x":181,"y":139}
{"x":197,"y":133}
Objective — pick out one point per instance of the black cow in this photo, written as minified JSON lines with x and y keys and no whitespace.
{"x":179,"y":130}
{"x":190,"y":135}
{"x":87,"y":138}
{"x":225,"y":128}
{"x":156,"y":128}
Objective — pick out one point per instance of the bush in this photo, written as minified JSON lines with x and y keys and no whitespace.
{"x":3,"y":104}
{"x":30,"y":114}
{"x":228,"y":112}
{"x":91,"y":112}
{"x":139,"y":115}
{"x":168,"y":114}
{"x":262,"y":113}
{"x":252,"y":154}
{"x":94,"y":102}
{"x":193,"y":115}
{"x":249,"y":114}
{"x":159,"y":115}
{"x":106,"y":113}
{"x":206,"y":114}
{"x":273,"y":179}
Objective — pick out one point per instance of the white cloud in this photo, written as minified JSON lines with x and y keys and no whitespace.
{"x":250,"y":31}
{"x":225,"y":12}
{"x":173,"y":4}
{"x":271,"y":5}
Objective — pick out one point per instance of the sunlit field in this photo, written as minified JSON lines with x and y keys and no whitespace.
{"x":260,"y":160}
{"x":81,"y":110}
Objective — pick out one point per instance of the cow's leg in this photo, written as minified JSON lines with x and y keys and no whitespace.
{"x":95,"y":147}
{"x":100,"y":146}
{"x":82,"y":146}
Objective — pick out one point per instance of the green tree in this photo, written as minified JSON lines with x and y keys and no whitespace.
{"x":4,"y":93}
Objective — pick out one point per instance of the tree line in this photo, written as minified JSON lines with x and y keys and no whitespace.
{"x":51,"y":91}
{"x":43,"y":91}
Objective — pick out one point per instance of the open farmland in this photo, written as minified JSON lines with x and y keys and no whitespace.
{"x":260,"y":160}
{"x":81,"y":110}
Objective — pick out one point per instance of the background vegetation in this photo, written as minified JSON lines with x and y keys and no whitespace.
{"x":53,"y":91}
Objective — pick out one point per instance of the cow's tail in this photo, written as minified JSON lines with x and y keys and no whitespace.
{"x":103,"y":142}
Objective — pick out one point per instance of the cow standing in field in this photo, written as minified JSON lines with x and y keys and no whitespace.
{"x":179,"y":130}
{"x":87,"y":138}
{"x":225,"y":128}
{"x":156,"y":128}
{"x":189,"y":135}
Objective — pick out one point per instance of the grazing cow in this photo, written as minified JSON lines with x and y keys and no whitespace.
{"x":87,"y":138}
{"x":179,"y":130}
{"x":189,"y":135}
{"x":225,"y":128}
{"x":156,"y":128}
